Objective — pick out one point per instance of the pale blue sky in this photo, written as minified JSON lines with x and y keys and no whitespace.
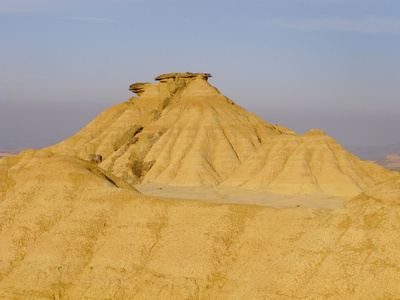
{"x":332,"y":65}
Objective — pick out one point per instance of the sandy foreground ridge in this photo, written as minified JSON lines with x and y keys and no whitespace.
{"x":182,"y":194}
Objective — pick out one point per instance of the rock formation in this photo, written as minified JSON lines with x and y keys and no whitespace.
{"x":307,"y":164}
{"x":192,"y":133}
{"x":182,"y":131}
{"x":72,"y":226}
{"x":185,"y":76}
{"x":139,"y":88}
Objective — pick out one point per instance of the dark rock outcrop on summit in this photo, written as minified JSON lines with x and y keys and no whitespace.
{"x":179,"y":78}
{"x":186,"y":75}
{"x":139,"y":88}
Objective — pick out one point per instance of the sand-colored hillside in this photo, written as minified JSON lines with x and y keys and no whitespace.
{"x":352,"y":254}
{"x":182,"y":194}
{"x":69,"y":232}
{"x":308,"y":164}
{"x":182,"y":131}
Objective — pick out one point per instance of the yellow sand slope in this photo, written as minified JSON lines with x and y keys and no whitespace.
{"x":352,"y":254}
{"x":69,"y":232}
{"x":307,"y":164}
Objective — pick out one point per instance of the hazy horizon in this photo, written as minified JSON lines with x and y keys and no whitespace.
{"x":331,"y":65}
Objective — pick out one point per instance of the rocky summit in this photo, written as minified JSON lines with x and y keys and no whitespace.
{"x":239,"y":208}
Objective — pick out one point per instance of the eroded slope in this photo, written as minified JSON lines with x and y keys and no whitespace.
{"x":352,"y":254}
{"x":70,"y":233}
{"x":312,"y":163}
{"x":182,"y":131}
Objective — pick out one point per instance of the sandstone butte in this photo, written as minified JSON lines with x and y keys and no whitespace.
{"x":73,"y":224}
